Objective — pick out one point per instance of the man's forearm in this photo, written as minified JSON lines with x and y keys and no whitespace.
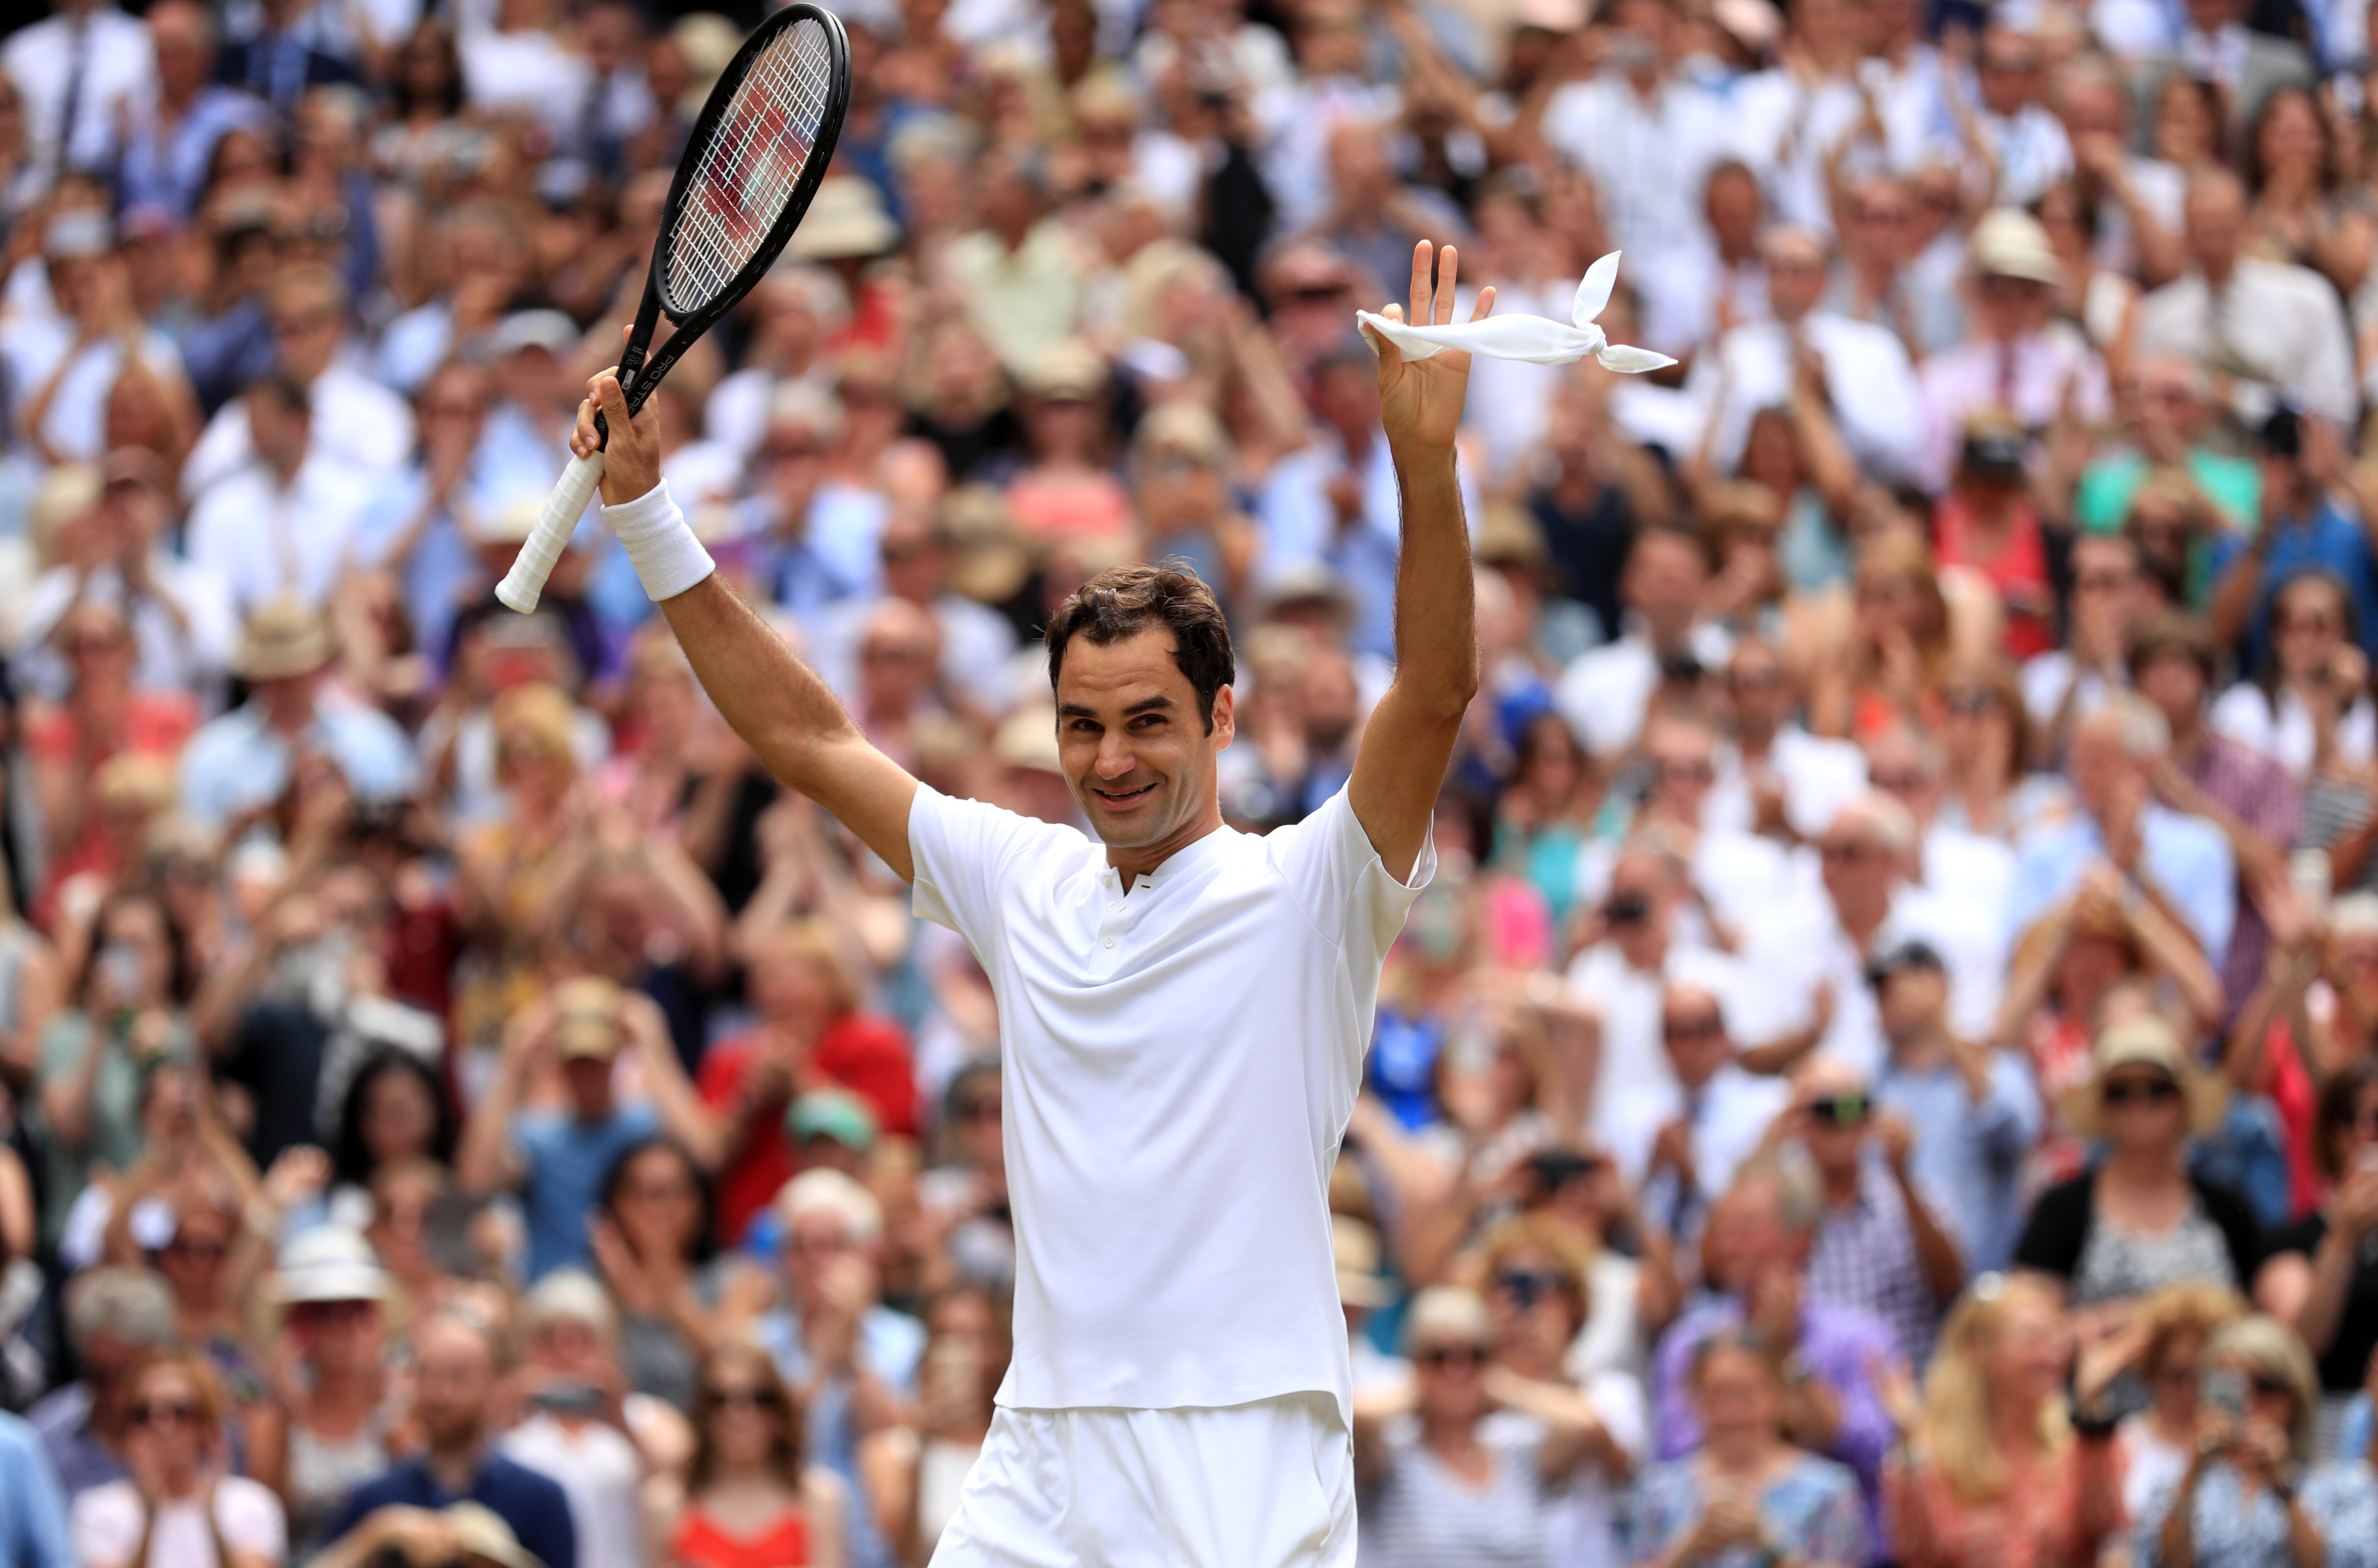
{"x":1437,"y":604}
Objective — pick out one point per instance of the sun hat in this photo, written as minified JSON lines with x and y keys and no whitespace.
{"x":285,"y":636}
{"x":329,"y":1262}
{"x":845,"y":220}
{"x":587,"y":1007}
{"x":2150,"y":1042}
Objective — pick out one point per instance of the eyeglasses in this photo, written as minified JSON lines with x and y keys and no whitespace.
{"x":201,"y":1251}
{"x":1527,"y":1286}
{"x":2102,"y":581}
{"x":2271,"y":1386}
{"x":155,"y":1415}
{"x":1842,"y":1110}
{"x":1705,"y":1028}
{"x":1442,"y":1358}
{"x":1698,"y":770}
{"x":1848,"y":853}
{"x":2143,"y":1091}
{"x":976,"y":1110}
{"x":1972,"y":704}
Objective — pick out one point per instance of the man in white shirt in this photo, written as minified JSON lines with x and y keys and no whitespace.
{"x":1183,"y":1012}
{"x":1867,"y":374}
{"x":1722,"y":1113}
{"x":80,"y":77}
{"x":1605,"y":692}
{"x":1776,"y":778}
{"x":2026,"y":140}
{"x":355,"y":419}
{"x":283,"y":523}
{"x":2263,"y":329}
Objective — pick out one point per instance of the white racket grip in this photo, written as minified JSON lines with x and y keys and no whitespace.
{"x":525,"y":581}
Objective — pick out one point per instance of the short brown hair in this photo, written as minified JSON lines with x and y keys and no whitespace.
{"x":2170,"y":632}
{"x":1122,"y":602}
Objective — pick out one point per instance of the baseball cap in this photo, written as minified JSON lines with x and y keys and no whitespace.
{"x":1913,"y":953}
{"x":831,"y":1113}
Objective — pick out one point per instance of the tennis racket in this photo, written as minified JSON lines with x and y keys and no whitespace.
{"x":752,"y":164}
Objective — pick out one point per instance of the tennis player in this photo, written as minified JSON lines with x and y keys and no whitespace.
{"x":1183,"y":1012}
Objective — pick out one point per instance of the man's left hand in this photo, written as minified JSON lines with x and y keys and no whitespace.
{"x":1420,"y":401}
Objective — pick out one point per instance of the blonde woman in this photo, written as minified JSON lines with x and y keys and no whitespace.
{"x":2244,"y":1500}
{"x":1994,"y":1474}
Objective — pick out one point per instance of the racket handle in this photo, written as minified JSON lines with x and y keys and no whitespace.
{"x":525,"y":581}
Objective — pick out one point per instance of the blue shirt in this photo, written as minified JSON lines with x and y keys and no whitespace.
{"x":62,"y":1420}
{"x":891,"y":1344}
{"x":238,"y":761}
{"x":566,"y":1159}
{"x":2186,"y":856}
{"x":1972,"y":1153}
{"x":32,"y":1508}
{"x":2330,"y":540}
{"x":533,"y":1505}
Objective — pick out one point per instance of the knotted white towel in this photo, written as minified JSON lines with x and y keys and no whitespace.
{"x":1538,"y":340}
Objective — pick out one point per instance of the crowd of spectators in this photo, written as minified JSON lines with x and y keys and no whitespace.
{"x":1886,"y":1070}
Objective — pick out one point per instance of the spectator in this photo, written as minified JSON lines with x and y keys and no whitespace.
{"x":2167,"y":1340}
{"x":1755,"y":1255}
{"x":916,"y":1479}
{"x":2245,"y":1497}
{"x":1883,"y":1247}
{"x":2139,"y":1221}
{"x":460,"y":1364}
{"x":281,"y":523}
{"x":2320,"y":1278}
{"x":577,"y":1429}
{"x":114,"y":1317}
{"x":1605,"y":694}
{"x":1725,"y":1115}
{"x":651,"y":1238}
{"x":1996,"y":1470}
{"x":244,"y":760}
{"x":2294,"y":349}
{"x":177,"y":1506}
{"x":1748,"y":1493}
{"x":331,"y":1430}
{"x":751,"y":1493}
{"x":1976,"y":1109}
{"x":557,"y":1160}
{"x":1443,"y":1483}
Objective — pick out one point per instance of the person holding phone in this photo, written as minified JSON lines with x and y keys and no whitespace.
{"x":2247,"y":1499}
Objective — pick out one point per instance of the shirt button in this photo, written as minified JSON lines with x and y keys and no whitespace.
{"x":1114,"y":908}
{"x":1110,"y":941}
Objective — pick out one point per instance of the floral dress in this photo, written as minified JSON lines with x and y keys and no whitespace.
{"x":2229,"y":1529}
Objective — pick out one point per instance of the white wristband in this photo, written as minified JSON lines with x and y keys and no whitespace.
{"x":666,"y":555}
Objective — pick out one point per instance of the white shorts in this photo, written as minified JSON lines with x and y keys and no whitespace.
{"x":1266,"y":1485}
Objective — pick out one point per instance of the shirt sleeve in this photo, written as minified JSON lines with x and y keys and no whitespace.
{"x":1341,"y":881}
{"x":964,"y":850}
{"x":250,"y":1519}
{"x":106,"y":1524}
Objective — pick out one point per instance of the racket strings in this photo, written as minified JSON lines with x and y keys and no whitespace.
{"x":752,"y":164}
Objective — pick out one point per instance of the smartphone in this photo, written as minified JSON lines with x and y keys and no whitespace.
{"x":2224,"y":1394}
{"x":568,"y":1399}
{"x":2308,"y":868}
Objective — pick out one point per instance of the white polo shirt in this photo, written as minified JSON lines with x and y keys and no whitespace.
{"x":1179,"y":1064}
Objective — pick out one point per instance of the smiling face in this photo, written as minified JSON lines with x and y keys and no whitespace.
{"x":1134,"y":743}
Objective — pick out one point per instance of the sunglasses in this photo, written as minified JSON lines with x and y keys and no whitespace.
{"x":1842,"y":1110}
{"x":2271,"y":1387}
{"x":2149,"y":1092}
{"x":1527,"y":1286}
{"x":147,"y":1414}
{"x":1971,"y":704}
{"x":978,"y":1110}
{"x":1439,"y":1358}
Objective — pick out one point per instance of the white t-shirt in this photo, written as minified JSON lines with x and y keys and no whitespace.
{"x":108,"y":1521}
{"x":597,"y":1469}
{"x":1179,"y":1063}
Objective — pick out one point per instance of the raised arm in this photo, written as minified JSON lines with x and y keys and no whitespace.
{"x":1410,"y":735}
{"x":776,"y":702}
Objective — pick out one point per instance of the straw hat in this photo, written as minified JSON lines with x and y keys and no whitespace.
{"x":2143,"y":1042}
{"x":845,"y":219}
{"x":588,"y":1010}
{"x":1028,"y":740}
{"x":285,"y":636}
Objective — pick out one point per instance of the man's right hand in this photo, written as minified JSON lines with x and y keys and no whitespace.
{"x":632,"y":462}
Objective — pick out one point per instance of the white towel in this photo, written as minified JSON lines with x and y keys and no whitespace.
{"x":1537,"y":339}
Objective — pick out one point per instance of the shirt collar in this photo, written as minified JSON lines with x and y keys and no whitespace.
{"x":1187,"y":859}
